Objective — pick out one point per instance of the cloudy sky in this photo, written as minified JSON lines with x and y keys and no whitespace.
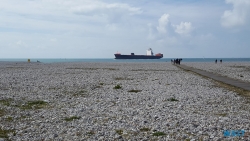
{"x":100,"y":28}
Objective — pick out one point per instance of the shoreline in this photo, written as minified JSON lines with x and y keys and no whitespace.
{"x":104,"y":60}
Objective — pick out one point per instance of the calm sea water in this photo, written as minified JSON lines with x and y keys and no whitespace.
{"x":43,"y":60}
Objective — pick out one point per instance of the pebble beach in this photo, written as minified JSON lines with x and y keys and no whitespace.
{"x":120,"y":101}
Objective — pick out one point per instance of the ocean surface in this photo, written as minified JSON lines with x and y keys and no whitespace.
{"x":57,"y":60}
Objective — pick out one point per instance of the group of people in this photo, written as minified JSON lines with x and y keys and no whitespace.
{"x":216,"y":61}
{"x":176,"y":61}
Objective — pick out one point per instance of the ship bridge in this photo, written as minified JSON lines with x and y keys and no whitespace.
{"x":150,"y":52}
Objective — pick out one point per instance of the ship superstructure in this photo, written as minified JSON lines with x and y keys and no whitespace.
{"x":150,"y":52}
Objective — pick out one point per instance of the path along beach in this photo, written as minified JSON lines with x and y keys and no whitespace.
{"x":120,"y":101}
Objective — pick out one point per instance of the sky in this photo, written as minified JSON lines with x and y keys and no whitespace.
{"x":101,"y":28}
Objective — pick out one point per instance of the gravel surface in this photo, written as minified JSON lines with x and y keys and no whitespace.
{"x":116,"y":101}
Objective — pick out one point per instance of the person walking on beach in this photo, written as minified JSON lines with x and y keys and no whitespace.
{"x":220,"y":60}
{"x":216,"y":61}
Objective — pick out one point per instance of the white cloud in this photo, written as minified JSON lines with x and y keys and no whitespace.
{"x":238,"y":16}
{"x":163,"y":23}
{"x":63,"y":9}
{"x":166,"y":29}
{"x":184,"y":28}
{"x":101,"y":8}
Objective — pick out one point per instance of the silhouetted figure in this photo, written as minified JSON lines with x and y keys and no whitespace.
{"x":177,"y":61}
{"x":216,"y":61}
{"x":221,"y":61}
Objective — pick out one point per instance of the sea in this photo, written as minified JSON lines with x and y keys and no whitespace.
{"x":61,"y":60}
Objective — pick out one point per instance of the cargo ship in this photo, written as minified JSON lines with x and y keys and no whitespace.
{"x":149,"y":55}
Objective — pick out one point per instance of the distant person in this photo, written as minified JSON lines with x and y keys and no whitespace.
{"x":178,"y":61}
{"x":221,"y":61}
{"x":216,"y":61}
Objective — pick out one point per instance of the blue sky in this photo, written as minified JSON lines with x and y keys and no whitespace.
{"x":100,"y":28}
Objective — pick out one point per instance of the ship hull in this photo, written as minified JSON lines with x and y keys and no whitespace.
{"x":118,"y":56}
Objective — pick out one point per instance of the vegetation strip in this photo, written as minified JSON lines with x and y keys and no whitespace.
{"x":71,"y":118}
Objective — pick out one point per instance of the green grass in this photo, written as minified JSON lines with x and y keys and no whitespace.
{"x":38,"y":104}
{"x":15,"y":67}
{"x":221,"y":114}
{"x":23,"y":117}
{"x":172,"y":99}
{"x":71,"y":118}
{"x":145,"y":129}
{"x":147,"y":70}
{"x":110,"y":68}
{"x":120,"y":131}
{"x":123,"y":78}
{"x":9,"y":118}
{"x":96,"y":87}
{"x":6,"y":102}
{"x":134,"y":91}
{"x":54,"y":88}
{"x":91,"y":133}
{"x":117,"y":87}
{"x":83,"y":68}
{"x":238,"y":67}
{"x":80,"y":93}
{"x":2,"y":112}
{"x":4,"y":133}
{"x":159,"y":134}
